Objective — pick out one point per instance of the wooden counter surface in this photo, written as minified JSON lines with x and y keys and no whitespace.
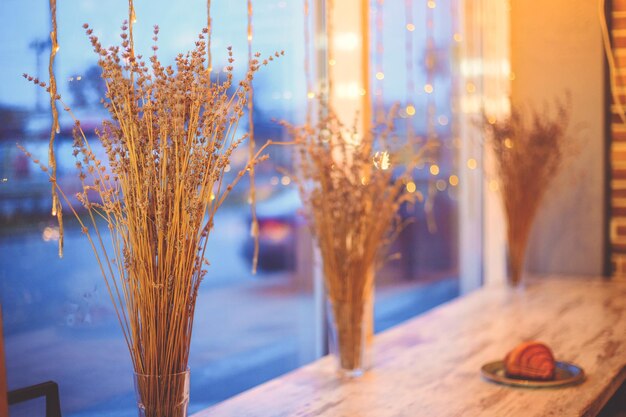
{"x":430,"y":365}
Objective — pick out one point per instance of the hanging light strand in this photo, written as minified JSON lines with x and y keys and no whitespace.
{"x":611,"y":60}
{"x":454,"y":52}
{"x":330,"y":47}
{"x":379,"y":106}
{"x":209,"y":27}
{"x":131,"y":21}
{"x":57,"y":208}
{"x":307,"y":61}
{"x":430,"y":70}
{"x":410,"y":72}
{"x":254,"y":227}
{"x":431,"y":109}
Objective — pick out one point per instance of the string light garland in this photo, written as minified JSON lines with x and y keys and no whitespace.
{"x":379,"y":104}
{"x":131,"y":21}
{"x":610,"y":57}
{"x":430,"y":71}
{"x":330,"y":44}
{"x":453,"y":180}
{"x":410,"y":77}
{"x":209,"y":29}
{"x":254,"y":227}
{"x":307,"y":61}
{"x":57,"y":208}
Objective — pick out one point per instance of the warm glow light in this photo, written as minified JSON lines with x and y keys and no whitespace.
{"x":492,"y":120}
{"x":471,"y":88}
{"x":350,"y":90}
{"x":227,"y":168}
{"x":453,"y":180}
{"x":381,"y":160}
{"x":428,"y":88}
{"x":311,"y":94}
{"x":434,"y":169}
{"x":410,"y":187}
{"x":331,"y":62}
{"x":458,"y":37}
{"x":493,"y":185}
{"x":362,"y":91}
{"x":475,"y":67}
{"x":508,"y":143}
{"x":512,"y":76}
{"x":410,"y":27}
{"x":212,"y":196}
{"x":410,"y":110}
{"x":50,"y":234}
{"x":285,"y":180}
{"x":431,"y":4}
{"x":346,"y":41}
{"x":380,"y":76}
{"x":471,"y":163}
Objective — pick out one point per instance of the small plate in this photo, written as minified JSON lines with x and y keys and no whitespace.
{"x":564,"y":374}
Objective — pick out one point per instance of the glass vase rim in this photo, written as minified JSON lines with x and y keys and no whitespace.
{"x":185,"y":372}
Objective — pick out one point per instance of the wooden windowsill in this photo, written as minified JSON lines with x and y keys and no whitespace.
{"x":430,"y":365}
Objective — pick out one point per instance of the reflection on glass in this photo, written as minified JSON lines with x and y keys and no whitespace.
{"x":412,"y":50}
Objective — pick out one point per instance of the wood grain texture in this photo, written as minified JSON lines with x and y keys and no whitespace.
{"x":430,"y":366}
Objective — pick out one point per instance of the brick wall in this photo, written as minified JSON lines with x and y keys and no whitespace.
{"x":618,"y":145}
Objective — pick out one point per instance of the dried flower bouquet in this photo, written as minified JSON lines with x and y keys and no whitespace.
{"x":352,"y":189}
{"x":529,"y":148}
{"x":168,"y":145}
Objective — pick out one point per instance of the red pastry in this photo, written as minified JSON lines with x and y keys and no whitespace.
{"x":530,"y":360}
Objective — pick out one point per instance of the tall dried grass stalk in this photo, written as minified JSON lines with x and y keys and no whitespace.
{"x":168,"y":145}
{"x":352,"y":189}
{"x":529,"y":148}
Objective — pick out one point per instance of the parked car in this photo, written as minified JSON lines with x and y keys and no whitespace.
{"x":278,"y":219}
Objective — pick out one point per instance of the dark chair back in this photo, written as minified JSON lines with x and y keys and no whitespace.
{"x":48,"y":389}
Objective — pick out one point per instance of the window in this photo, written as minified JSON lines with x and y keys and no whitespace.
{"x":58,"y":320}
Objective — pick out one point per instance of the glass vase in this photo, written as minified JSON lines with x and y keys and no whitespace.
{"x":515,"y":257}
{"x":349,"y":334}
{"x":162,"y":395}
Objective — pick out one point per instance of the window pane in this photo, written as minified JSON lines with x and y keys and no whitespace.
{"x":412,"y":54}
{"x":58,"y":319}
